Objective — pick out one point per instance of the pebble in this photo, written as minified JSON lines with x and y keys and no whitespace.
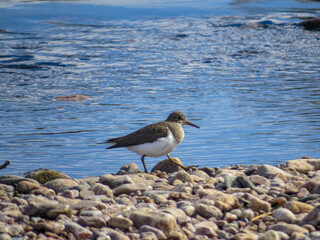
{"x":238,"y":202}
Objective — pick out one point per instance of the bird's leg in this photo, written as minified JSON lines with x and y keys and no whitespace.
{"x":181,"y":165}
{"x":144,"y":165}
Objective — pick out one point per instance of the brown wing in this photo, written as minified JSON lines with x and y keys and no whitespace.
{"x":146,"y":134}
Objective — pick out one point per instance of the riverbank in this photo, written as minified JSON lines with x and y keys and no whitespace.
{"x":237,"y":202}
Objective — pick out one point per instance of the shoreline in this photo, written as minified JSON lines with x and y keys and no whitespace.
{"x":237,"y":202}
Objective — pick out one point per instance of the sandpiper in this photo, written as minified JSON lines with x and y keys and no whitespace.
{"x":154,"y":140}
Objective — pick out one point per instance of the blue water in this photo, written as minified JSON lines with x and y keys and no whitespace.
{"x":244,"y":72}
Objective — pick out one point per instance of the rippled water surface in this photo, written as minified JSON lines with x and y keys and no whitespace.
{"x":246,"y":73}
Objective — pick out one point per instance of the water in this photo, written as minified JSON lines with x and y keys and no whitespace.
{"x":244,"y":72}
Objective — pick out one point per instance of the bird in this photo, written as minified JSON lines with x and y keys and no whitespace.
{"x":154,"y":140}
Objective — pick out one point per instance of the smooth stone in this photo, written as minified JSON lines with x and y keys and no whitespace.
{"x":208,"y":211}
{"x":288,"y":228}
{"x":207,"y":228}
{"x":100,"y":189}
{"x":47,"y":225}
{"x":257,"y":204}
{"x":269,"y":171}
{"x":188,"y":210}
{"x":273,"y":235}
{"x":91,"y":213}
{"x":315,"y":235}
{"x":5,"y":236}
{"x":299,"y":207}
{"x":46,"y":192}
{"x":246,"y":236}
{"x":14,"y":179}
{"x":107,"y":179}
{"x":159,"y":234}
{"x":129,"y":168}
{"x":168,"y":166}
{"x":46,"y":175}
{"x":313,"y":217}
{"x":59,"y":185}
{"x":87,"y":204}
{"x":163,"y":221}
{"x":201,"y":174}
{"x":26,"y":186}
{"x":304,"y":165}
{"x":77,"y":230}
{"x":92,"y":221}
{"x":283,"y":214}
{"x":121,"y":180}
{"x":180,"y":175}
{"x":120,"y":222}
{"x":312,"y":183}
{"x":259,"y":180}
{"x":129,"y":188}
{"x":148,"y":236}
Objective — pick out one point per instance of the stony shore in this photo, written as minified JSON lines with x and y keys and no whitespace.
{"x":239,"y":202}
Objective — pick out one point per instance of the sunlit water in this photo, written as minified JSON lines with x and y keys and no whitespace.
{"x":245,"y":73}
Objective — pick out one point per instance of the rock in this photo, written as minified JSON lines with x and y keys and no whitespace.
{"x":269,"y":171}
{"x":163,"y":221}
{"x":208,"y":211}
{"x":246,"y":236}
{"x":299,"y":207}
{"x":78,"y":231}
{"x":107,"y":179}
{"x":100,"y":189}
{"x":257,"y":204}
{"x":121,"y":180}
{"x":312,"y":183}
{"x":313,"y":217}
{"x":120,"y":222}
{"x":273,"y":235}
{"x":206,"y":228}
{"x":315,"y":235}
{"x":92,"y":221}
{"x":129,"y":168}
{"x":26,"y":186}
{"x":288,"y":228}
{"x":283,"y":214}
{"x":6,"y":191}
{"x":223,"y":201}
{"x":47,"y":225}
{"x":259,"y":180}
{"x":59,"y":185}
{"x":311,"y":24}
{"x":168,"y":166}
{"x":159,"y":234}
{"x":75,"y":98}
{"x":45,"y":208}
{"x":13,"y":179}
{"x":45,"y":175}
{"x":131,"y":188}
{"x":182,"y":176}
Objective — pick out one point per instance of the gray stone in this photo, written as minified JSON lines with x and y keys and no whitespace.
{"x":100,"y":189}
{"x":120,"y":222}
{"x":269,"y":171}
{"x":182,"y":176}
{"x":129,"y":168}
{"x":131,"y":188}
{"x":93,"y":221}
{"x":207,"y":228}
{"x":6,"y":190}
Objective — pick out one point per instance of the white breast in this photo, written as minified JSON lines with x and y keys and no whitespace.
{"x":158,"y":148}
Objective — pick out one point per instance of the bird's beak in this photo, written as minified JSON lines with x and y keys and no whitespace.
{"x":191,"y":124}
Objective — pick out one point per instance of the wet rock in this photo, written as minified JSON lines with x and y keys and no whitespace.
{"x":78,"y":231}
{"x":75,"y":98}
{"x":129,"y":168}
{"x":59,"y":185}
{"x":168,"y":166}
{"x":120,"y":222}
{"x":311,"y":24}
{"x":100,"y":189}
{"x":283,"y":214}
{"x":45,"y":175}
{"x":163,"y":221}
{"x":313,"y":217}
{"x":299,"y":207}
{"x":288,"y":228}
